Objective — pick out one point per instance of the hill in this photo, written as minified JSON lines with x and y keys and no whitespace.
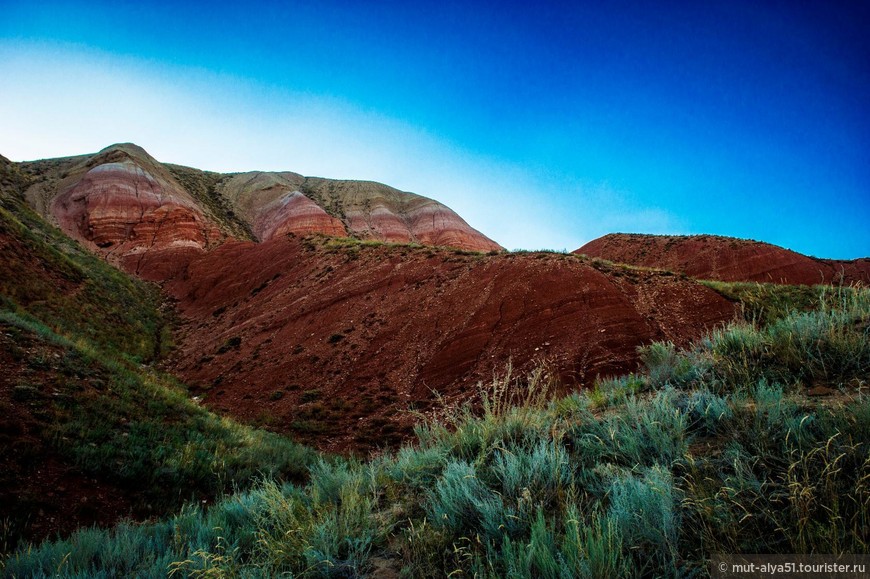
{"x":715,"y":449}
{"x":303,"y":333}
{"x":91,"y":432}
{"x":725,"y":258}
{"x":339,"y":342}
{"x":134,"y":210}
{"x":300,"y":334}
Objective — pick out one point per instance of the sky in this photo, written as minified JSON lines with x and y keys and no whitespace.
{"x":544,"y":126}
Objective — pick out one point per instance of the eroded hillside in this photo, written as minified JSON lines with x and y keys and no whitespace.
{"x":725,"y":259}
{"x":125,"y":205}
{"x":333,"y":340}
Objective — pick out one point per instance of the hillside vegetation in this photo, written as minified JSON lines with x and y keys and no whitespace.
{"x":712,"y":449}
{"x":79,"y":395}
{"x":50,"y":277}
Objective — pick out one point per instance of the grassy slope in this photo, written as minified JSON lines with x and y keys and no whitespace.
{"x":49,"y":276}
{"x":203,"y":186}
{"x":764,"y":303}
{"x":713,"y":449}
{"x":77,"y":333}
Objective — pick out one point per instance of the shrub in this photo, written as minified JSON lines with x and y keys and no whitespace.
{"x":310,"y":396}
{"x":645,"y":509}
{"x":665,"y":365}
{"x":464,"y":505}
{"x":705,"y":411}
{"x":527,"y":480}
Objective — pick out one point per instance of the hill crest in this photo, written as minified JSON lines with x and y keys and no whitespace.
{"x":725,"y":259}
{"x":123,"y":203}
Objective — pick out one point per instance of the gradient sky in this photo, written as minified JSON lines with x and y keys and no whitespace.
{"x":544,"y":127}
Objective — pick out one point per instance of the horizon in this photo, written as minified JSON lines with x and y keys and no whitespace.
{"x":519,"y":249}
{"x":543,"y":129}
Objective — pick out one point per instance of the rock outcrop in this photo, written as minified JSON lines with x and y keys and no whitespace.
{"x":375,"y":211}
{"x":273,"y":205}
{"x":725,"y":259}
{"x":125,"y":206}
{"x":122,"y":206}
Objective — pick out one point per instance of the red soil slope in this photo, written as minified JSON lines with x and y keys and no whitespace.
{"x":725,"y":258}
{"x":332,"y":342}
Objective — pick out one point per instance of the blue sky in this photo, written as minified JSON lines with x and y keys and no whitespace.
{"x":544,"y":127}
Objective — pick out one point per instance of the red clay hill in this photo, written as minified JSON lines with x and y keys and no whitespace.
{"x":130,"y":208}
{"x":725,"y":259}
{"x":333,"y":340}
{"x":287,"y":323}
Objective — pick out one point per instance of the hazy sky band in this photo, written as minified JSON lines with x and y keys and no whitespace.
{"x":745,"y":119}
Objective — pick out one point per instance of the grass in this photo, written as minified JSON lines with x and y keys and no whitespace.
{"x":82,"y":338}
{"x":139,"y":430}
{"x":351,"y":247}
{"x":710,"y":449}
{"x":203,"y":186}
{"x":648,"y":477}
{"x":47,"y":275}
{"x":828,"y":346}
{"x":764,"y":303}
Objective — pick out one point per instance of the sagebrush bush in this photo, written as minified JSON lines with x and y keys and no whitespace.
{"x":665,"y":365}
{"x":464,"y":505}
{"x":645,"y":509}
{"x":829,"y":346}
{"x":706,"y":412}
